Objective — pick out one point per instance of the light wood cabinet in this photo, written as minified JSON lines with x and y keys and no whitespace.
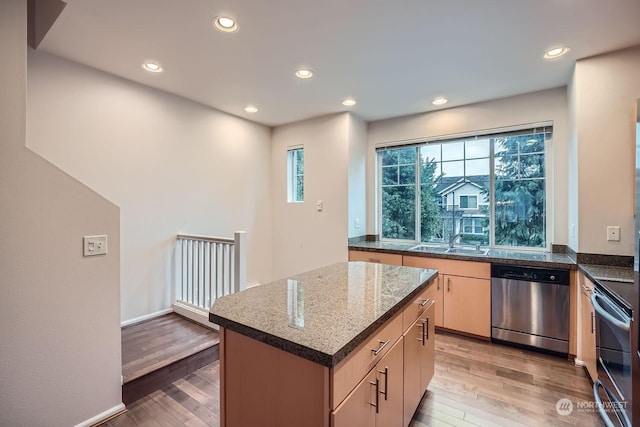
{"x":378,"y":398}
{"x":587,"y":328}
{"x":463,"y":294}
{"x":377,"y":257}
{"x":419,"y":353}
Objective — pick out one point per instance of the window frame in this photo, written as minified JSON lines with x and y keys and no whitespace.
{"x":293,"y":174}
{"x":544,"y":128}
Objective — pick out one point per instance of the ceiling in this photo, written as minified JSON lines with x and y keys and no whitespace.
{"x":393,"y":56}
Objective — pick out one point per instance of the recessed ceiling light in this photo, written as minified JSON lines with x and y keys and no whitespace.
{"x":349,"y":102}
{"x":304,"y":73}
{"x":152,"y":67}
{"x":440,"y":101}
{"x":556,"y":52}
{"x":251,"y":109}
{"x":226,"y":24}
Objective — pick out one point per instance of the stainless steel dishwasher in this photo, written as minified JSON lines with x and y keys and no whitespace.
{"x":530,"y":306}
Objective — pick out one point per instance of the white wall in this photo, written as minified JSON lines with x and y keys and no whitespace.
{"x":303,"y":237}
{"x":548,"y":105}
{"x":59,"y":312}
{"x":172,"y":165}
{"x":357,"y":197}
{"x":607,"y":88}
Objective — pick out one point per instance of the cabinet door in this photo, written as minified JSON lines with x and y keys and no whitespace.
{"x":427,"y":348}
{"x":588,"y":349}
{"x":358,"y":409}
{"x":390,"y":390}
{"x":438,"y":316}
{"x":467,"y":305}
{"x":412,"y":342}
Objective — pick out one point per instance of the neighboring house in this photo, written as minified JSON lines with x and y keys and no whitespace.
{"x":464,"y":202}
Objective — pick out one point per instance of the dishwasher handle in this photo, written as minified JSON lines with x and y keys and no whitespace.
{"x":624,"y":323}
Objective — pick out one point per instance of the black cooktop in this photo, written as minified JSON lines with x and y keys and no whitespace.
{"x":624,"y":293}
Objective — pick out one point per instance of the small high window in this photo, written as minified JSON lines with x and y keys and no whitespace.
{"x":295,"y":175}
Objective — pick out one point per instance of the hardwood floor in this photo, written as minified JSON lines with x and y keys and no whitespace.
{"x":161,"y":341}
{"x":476,"y":383}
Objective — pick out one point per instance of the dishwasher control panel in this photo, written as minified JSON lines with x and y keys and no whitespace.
{"x":530,"y":274}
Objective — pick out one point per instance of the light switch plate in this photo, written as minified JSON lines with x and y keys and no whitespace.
{"x":613,"y":233}
{"x":95,"y":245}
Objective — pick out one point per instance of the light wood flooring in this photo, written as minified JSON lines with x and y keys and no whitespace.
{"x":149,"y":345}
{"x":476,"y":383}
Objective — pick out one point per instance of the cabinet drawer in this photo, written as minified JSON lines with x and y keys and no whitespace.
{"x":378,"y":257}
{"x":481,"y":270}
{"x":350,"y":371}
{"x":418,"y":305}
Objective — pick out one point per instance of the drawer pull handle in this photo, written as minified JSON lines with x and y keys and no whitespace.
{"x":377,"y":404}
{"x":593,"y":326}
{"x":383,"y":344}
{"x":374,"y":260}
{"x":426,"y":328}
{"x":448,"y":284}
{"x":438,"y":283}
{"x":386,"y":382}
{"x":423,"y":303}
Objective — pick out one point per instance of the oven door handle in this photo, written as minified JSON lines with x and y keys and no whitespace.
{"x":603,"y":414}
{"x":601,"y":311}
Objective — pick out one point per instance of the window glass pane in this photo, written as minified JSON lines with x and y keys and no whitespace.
{"x":532,"y":166}
{"x":431,"y":151}
{"x":407,"y":174}
{"x":533,"y":143}
{"x":520,"y":213}
{"x":453,"y":169}
{"x":478,"y":167}
{"x":399,"y":195}
{"x":476,"y":149}
{"x":299,"y":188}
{"x":398,"y":212}
{"x":389,"y":157}
{"x":453,"y":151}
{"x":390,"y":175}
{"x":295,"y":175}
{"x":464,"y":202}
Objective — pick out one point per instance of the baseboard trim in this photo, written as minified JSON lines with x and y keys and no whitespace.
{"x":104,"y":416}
{"x":195,"y":314}
{"x":146,"y":317}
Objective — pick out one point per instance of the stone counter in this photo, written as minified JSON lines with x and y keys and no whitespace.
{"x":528,"y":258}
{"x":324,"y":314}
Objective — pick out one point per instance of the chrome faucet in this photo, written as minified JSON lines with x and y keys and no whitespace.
{"x":453,"y":237}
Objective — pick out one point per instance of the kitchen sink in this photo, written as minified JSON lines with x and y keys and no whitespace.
{"x":446,"y":250}
{"x":467,"y":251}
{"x":429,"y":248}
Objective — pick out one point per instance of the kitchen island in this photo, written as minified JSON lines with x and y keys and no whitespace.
{"x":348,"y":344}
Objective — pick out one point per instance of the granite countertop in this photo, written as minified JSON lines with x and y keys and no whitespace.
{"x":324,"y":314}
{"x":530,"y":258}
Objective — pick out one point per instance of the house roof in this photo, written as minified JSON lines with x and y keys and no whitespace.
{"x":448,"y":184}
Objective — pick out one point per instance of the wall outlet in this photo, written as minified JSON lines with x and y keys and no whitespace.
{"x":95,"y":245}
{"x":613,"y":233}
{"x":319,"y":205}
{"x":356,"y":223}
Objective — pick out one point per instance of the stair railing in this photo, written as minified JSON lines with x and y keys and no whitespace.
{"x":207,"y":268}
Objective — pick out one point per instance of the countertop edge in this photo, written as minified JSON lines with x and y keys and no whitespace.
{"x":314,"y":355}
{"x":478,"y":258}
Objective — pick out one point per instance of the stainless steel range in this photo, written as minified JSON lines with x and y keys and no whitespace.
{"x":530,"y":306}
{"x":613,"y":388}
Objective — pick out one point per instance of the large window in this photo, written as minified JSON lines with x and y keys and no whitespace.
{"x":487,"y":190}
{"x":295,"y":175}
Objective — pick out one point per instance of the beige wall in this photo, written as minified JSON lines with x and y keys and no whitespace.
{"x":607,"y":88}
{"x":59,"y":312}
{"x":172,"y":165}
{"x":303,"y":237}
{"x":548,"y":105}
{"x":357,"y":176}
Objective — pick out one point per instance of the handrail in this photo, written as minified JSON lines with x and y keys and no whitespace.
{"x":211,"y":239}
